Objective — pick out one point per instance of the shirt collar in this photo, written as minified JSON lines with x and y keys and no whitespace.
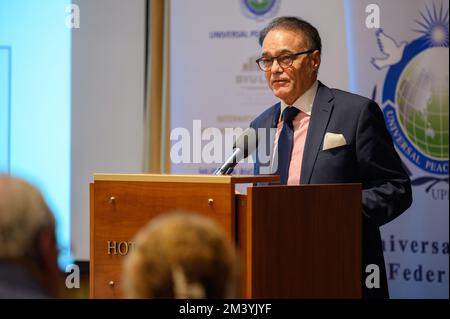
{"x":305,"y":102}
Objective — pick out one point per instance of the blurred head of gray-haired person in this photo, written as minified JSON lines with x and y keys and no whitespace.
{"x":28,"y":251}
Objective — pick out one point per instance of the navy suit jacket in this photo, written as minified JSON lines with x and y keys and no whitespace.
{"x":368,"y":158}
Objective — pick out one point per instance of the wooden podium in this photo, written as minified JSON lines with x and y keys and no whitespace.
{"x":294,"y":241}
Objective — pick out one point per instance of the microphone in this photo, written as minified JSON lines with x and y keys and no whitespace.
{"x":245,"y":145}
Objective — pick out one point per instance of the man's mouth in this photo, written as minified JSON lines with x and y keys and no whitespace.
{"x":279,"y":82}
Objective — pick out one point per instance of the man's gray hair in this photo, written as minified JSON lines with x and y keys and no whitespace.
{"x":23,"y":214}
{"x":295,"y":24}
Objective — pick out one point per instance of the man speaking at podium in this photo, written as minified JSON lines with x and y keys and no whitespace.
{"x":329,"y":136}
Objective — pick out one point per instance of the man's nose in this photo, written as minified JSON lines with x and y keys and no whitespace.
{"x":276,"y":67}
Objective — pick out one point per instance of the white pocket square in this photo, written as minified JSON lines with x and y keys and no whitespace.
{"x":332,"y":140}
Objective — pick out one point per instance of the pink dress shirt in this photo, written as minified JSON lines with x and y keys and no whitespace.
{"x":300,"y":124}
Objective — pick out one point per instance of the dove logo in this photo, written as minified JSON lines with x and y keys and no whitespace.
{"x":415,"y":92}
{"x":392,"y":51}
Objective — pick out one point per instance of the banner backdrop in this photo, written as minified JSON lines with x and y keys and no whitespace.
{"x":215,"y":79}
{"x":403,"y":65}
{"x":216,"y":85}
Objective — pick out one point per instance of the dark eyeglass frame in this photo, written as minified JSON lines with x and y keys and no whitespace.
{"x":292,"y":57}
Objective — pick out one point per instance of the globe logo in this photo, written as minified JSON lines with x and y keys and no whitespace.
{"x":415,"y":93}
{"x":260,"y":9}
{"x":259,"y":6}
{"x":422,"y":102}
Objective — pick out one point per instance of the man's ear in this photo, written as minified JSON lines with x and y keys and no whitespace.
{"x":46,"y":243}
{"x":51,"y":275}
{"x":316,"y":59}
{"x":46,"y":246}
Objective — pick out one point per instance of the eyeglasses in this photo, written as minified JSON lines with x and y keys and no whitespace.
{"x":284,"y":60}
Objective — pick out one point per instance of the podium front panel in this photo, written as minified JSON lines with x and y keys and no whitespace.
{"x":120,"y":208}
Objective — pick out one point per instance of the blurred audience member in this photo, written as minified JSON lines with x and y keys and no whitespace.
{"x":181,"y":255}
{"x":28,"y":252}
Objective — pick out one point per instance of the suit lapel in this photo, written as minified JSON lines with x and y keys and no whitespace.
{"x":272,"y":121}
{"x":271,"y":138}
{"x":266,"y":124}
{"x":320,"y":115}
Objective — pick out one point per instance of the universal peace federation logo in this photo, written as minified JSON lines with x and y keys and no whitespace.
{"x":415,"y":92}
{"x":260,"y":9}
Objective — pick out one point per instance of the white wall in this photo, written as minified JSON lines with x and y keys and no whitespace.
{"x":108,"y":67}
